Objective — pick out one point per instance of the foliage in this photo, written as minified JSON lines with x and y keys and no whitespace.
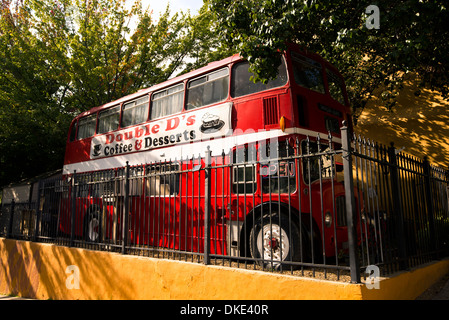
{"x":206,"y":43}
{"x":61,"y":57}
{"x":410,"y":39}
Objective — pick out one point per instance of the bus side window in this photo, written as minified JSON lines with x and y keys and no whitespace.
{"x":244,"y":169}
{"x":208,"y":89}
{"x":86,"y":126}
{"x":167,"y":102}
{"x":331,"y":124}
{"x":277,"y":176}
{"x":162,"y":180}
{"x":108,"y":120}
{"x":312,"y":164}
{"x":135,"y":112}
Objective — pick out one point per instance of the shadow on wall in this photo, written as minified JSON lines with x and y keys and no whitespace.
{"x":419,"y":124}
{"x":83,"y":274}
{"x":19,"y":275}
{"x":51,"y":272}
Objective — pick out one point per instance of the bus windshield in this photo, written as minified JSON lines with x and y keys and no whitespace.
{"x":241,"y":84}
{"x":307,"y":73}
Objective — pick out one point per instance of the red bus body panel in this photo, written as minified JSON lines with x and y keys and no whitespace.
{"x":177,"y":221}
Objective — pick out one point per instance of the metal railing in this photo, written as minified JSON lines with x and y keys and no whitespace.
{"x":333,"y":206}
{"x":406,"y":215}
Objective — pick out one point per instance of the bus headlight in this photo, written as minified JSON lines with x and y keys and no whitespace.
{"x":328,"y":219}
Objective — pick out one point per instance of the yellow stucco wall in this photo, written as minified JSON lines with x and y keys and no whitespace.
{"x":419,"y":125}
{"x":407,"y":285}
{"x":40,"y":271}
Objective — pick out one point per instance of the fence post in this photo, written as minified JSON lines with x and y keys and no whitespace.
{"x":207,"y":205}
{"x":429,"y":205}
{"x":397,"y":207}
{"x":11,"y":219}
{"x":73,"y":209}
{"x":38,"y":211}
{"x":125,"y":209}
{"x":350,"y":204}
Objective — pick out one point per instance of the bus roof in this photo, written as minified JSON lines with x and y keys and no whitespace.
{"x":197,"y":72}
{"x":209,"y":67}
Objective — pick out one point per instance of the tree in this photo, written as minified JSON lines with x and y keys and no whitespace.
{"x":410,"y":38}
{"x":62,"y":57}
{"x":206,"y":44}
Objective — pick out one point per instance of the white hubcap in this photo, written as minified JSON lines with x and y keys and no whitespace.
{"x":94,"y":224}
{"x":273,"y":241}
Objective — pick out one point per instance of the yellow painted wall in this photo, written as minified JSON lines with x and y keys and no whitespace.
{"x":407,"y":285}
{"x":39,"y":271}
{"x":419,"y":124}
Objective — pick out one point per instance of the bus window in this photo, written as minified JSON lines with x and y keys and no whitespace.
{"x":335,"y":86}
{"x":331,"y":124}
{"x":73,"y":131}
{"x":167,"y":102}
{"x":86,"y":126}
{"x":208,"y":89}
{"x":278,"y":176}
{"x":307,"y":73}
{"x":135,"y":112}
{"x":244,"y":169}
{"x":162,"y":179}
{"x":313,"y":164}
{"x":242,"y":85}
{"x":108,"y":120}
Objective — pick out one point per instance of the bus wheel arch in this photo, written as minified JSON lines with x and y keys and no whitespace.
{"x":279,"y":214}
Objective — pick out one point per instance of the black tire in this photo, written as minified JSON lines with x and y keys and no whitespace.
{"x":92,"y":225}
{"x":274,"y":240}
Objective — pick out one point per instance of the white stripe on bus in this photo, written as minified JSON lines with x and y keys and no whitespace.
{"x":185,"y":151}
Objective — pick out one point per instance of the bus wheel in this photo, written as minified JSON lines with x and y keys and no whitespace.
{"x":274,"y":240}
{"x":92,"y":226}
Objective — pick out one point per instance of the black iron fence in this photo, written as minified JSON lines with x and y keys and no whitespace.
{"x":406,"y":207}
{"x":322,"y":205}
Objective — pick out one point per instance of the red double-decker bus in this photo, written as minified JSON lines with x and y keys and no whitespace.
{"x":270,"y":200}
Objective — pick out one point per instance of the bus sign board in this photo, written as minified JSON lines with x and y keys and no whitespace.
{"x":202,"y":124}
